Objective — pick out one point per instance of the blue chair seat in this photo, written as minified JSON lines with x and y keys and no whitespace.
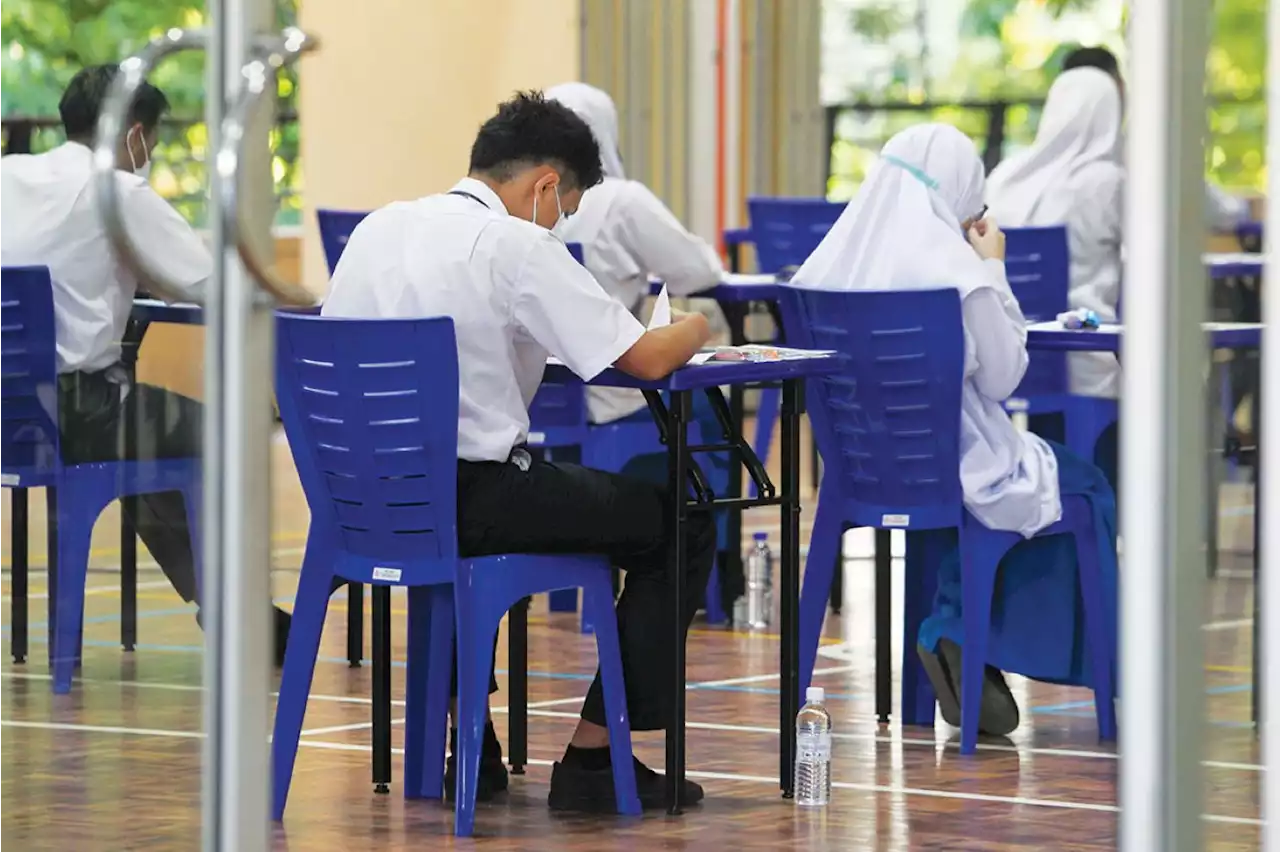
{"x":888,"y":429}
{"x":32,"y":458}
{"x":370,"y":408}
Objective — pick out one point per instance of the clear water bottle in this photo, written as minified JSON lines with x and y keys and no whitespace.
{"x":759,"y":597}
{"x":813,"y":751}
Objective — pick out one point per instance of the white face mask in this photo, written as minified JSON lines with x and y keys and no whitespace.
{"x":143,"y":169}
{"x":560,"y":217}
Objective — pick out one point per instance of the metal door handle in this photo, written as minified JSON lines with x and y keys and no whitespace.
{"x":112,"y":126}
{"x":259,"y":74}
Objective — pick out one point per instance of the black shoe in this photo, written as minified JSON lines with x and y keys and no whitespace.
{"x":492,"y":778}
{"x":998,"y":715}
{"x":591,"y":790}
{"x":282,"y":622}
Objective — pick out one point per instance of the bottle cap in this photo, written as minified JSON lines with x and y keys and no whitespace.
{"x":815,"y":695}
{"x":760,"y":536}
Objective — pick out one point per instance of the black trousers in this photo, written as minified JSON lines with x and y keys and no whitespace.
{"x":92,"y":412}
{"x":566,"y":508}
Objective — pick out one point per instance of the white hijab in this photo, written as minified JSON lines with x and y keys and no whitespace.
{"x":597,"y":109}
{"x":927,"y":181}
{"x":1079,"y":130}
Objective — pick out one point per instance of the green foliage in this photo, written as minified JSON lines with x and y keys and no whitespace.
{"x":1000,"y":60}
{"x":45,"y":42}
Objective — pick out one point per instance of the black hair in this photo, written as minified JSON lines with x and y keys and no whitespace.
{"x":530,"y":130}
{"x":82,"y":102}
{"x":1092,"y":57}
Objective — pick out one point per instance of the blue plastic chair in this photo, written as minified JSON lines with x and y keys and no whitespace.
{"x":1038,"y":266}
{"x":31,"y":450}
{"x":888,"y":428}
{"x":785,"y":232}
{"x":370,"y":408}
{"x":336,"y":227}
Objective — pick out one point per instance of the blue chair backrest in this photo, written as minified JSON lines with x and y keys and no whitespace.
{"x":336,"y":227}
{"x":370,"y":408}
{"x":1038,"y":265}
{"x":787,"y":230}
{"x":575,"y":249}
{"x":29,"y":370}
{"x":888,"y":424}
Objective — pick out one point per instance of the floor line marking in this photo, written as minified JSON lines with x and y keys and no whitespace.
{"x":1059,"y":804}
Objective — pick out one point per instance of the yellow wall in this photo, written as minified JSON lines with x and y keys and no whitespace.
{"x":391,"y":101}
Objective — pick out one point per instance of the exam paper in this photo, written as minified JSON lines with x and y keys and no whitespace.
{"x":661,"y":317}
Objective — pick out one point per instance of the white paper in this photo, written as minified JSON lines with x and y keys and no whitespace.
{"x":661,"y":317}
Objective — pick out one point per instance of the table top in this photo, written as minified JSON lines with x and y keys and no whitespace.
{"x":1233,"y":265}
{"x":1052,"y":336}
{"x":709,"y":375}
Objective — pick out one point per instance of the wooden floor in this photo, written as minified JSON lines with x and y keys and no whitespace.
{"x":115,"y":765}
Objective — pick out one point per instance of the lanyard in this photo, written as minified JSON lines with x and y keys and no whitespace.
{"x":468,"y":195}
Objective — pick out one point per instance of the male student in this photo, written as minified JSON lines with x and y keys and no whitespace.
{"x":484,"y":253}
{"x":1223,"y":210}
{"x":53,"y":220}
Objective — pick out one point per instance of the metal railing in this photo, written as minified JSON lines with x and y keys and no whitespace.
{"x":856,"y":131}
{"x":180,"y":173}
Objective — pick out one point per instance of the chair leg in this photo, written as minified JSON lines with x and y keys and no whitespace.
{"x":430,"y":644}
{"x":75,"y":528}
{"x":18,"y":548}
{"x":191,"y":501}
{"x":309,"y":611}
{"x":476,"y":633}
{"x":1098,"y":631}
{"x":977,"y":586}
{"x":128,"y":579}
{"x":715,"y":606}
{"x":884,"y":619}
{"x":518,"y":686}
{"x":917,"y":705}
{"x":818,"y":570}
{"x":837,"y":580}
{"x":598,"y":600}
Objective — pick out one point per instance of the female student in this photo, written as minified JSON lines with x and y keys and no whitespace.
{"x":1072,"y":176}
{"x":628,"y":234}
{"x":913,"y":224}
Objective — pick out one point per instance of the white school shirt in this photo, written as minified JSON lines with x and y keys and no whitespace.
{"x":628,"y":234}
{"x":51,"y":219}
{"x":513,"y":290}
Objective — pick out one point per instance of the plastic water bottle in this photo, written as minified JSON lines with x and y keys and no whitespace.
{"x":759,"y":613}
{"x":813,"y":751}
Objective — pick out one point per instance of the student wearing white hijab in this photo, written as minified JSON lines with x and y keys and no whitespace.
{"x":627,"y":234}
{"x":914,"y":224}
{"x":1072,"y":176}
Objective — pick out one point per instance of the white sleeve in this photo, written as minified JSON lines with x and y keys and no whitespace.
{"x":1223,"y":210}
{"x":167,"y":242}
{"x":662,"y":246}
{"x":998,"y":343}
{"x":564,"y":308}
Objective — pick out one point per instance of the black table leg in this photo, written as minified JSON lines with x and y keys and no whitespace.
{"x":789,"y":703}
{"x":18,"y":590}
{"x":355,"y":624}
{"x":131,"y":345}
{"x":381,"y":689}
{"x":884,"y":617}
{"x":518,"y":686}
{"x":837,"y":578}
{"x":732,"y":579}
{"x":677,"y":440}
{"x":128,"y":574}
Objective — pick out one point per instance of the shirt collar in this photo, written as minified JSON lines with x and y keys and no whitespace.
{"x":480,"y":190}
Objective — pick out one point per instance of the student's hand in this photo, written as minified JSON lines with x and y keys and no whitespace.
{"x":987,"y":239}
